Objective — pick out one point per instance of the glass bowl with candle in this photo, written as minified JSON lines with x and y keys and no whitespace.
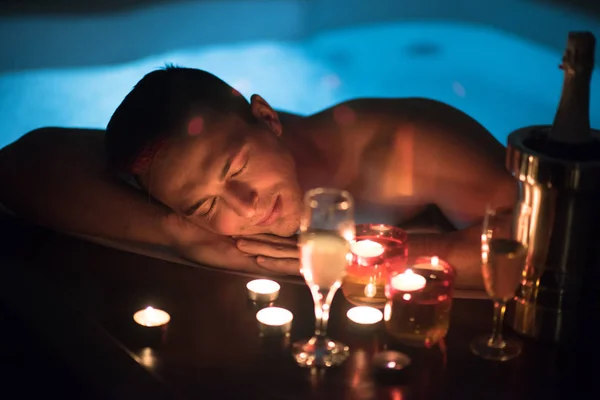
{"x":419,"y":299}
{"x":377,"y":251}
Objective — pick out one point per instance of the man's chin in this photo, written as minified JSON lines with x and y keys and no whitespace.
{"x":284,"y":229}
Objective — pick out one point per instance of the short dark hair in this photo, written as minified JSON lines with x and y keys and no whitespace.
{"x":157,"y":106}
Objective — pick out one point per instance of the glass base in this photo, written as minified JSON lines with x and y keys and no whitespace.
{"x":508,"y":349}
{"x":319,"y":352}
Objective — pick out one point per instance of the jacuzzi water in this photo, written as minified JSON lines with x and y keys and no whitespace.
{"x":503,"y":81}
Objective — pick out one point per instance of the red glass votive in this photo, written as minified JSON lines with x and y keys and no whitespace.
{"x":419,"y":300}
{"x":377,"y":251}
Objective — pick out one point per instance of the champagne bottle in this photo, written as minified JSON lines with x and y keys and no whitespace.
{"x":570,"y":136}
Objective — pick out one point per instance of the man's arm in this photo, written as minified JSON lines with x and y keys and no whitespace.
{"x":462,"y":249}
{"x":57,"y":178}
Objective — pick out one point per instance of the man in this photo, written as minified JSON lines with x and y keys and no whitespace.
{"x":220,"y":180}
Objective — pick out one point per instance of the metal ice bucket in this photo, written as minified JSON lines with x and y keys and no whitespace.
{"x":560,"y":291}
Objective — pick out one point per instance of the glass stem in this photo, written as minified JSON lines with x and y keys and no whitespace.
{"x":322,"y":306}
{"x":322,"y":317}
{"x":496,"y":338}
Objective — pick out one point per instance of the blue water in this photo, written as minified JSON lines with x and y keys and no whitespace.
{"x":503,"y":81}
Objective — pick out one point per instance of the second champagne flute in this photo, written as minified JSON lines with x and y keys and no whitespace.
{"x":326,"y":230}
{"x":503,"y":258}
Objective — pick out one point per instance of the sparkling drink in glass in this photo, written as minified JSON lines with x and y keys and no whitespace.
{"x":504,"y":249}
{"x":326,"y":230}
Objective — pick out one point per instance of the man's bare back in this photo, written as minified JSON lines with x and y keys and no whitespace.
{"x":398,"y":156}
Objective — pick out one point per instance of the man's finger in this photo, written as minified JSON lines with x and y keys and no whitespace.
{"x":287,"y":266}
{"x":268,"y":249}
{"x":291,"y":241}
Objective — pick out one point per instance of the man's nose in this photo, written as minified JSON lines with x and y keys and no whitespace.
{"x":241,"y":199}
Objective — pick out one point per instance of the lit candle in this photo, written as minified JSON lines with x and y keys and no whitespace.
{"x":151,"y":317}
{"x":274,"y":320}
{"x":263,"y":290}
{"x":366,"y":248}
{"x":433,"y":263}
{"x":364,"y":315}
{"x":408,"y":281}
{"x":391,"y":361}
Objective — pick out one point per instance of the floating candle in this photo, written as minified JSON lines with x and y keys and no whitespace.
{"x":364,"y":315}
{"x":263,"y":290}
{"x":367,"y":248}
{"x":408,"y":281}
{"x":151,"y":317}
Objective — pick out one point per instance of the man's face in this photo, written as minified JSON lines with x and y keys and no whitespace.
{"x":230,"y":176}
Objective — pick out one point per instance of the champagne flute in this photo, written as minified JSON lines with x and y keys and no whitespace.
{"x":326,"y":229}
{"x":503,"y":258}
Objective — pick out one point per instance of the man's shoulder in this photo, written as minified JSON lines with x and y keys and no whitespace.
{"x":362,"y":115}
{"x":386,"y":104}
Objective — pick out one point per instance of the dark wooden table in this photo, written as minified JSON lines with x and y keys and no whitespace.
{"x":67,"y":309}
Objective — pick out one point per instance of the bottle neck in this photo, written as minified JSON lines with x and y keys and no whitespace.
{"x":572,"y":121}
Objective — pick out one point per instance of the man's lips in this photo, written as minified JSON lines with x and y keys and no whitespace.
{"x":273,"y":213}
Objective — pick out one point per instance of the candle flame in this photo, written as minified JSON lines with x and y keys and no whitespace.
{"x":435,"y":261}
{"x":151,"y":317}
{"x":408,"y":281}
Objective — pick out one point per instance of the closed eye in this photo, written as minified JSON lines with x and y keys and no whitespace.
{"x":207,"y":207}
{"x":242,"y":169}
{"x":202,"y":207}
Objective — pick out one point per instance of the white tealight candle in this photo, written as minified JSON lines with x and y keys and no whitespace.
{"x":263,"y":290}
{"x":275,"y":319}
{"x":364,"y":315}
{"x":151,"y":317}
{"x":367,"y":248}
{"x":408,"y":281}
{"x":274,"y":316}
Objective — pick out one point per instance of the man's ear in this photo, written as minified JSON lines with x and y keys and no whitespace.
{"x":263,"y":112}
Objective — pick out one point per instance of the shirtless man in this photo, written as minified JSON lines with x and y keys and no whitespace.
{"x":195,"y":167}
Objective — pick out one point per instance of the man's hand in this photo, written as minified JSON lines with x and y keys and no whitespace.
{"x":204,"y":247}
{"x":272,"y":252}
